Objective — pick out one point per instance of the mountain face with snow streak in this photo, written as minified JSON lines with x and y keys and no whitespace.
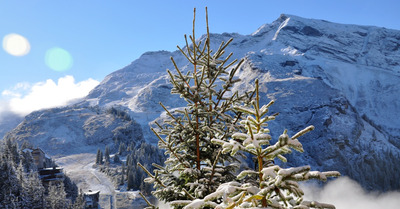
{"x":343,"y":79}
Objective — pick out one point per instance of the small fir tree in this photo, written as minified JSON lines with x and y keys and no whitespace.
{"x":107,"y":155}
{"x":116,"y":159}
{"x":57,"y":197}
{"x":121,"y":149}
{"x":34,"y":191}
{"x":131,"y":180}
{"x":99,"y":157}
{"x":79,"y":202}
{"x":27,"y":161}
{"x":122,"y":179}
{"x":9,"y":184}
{"x":11,"y":151}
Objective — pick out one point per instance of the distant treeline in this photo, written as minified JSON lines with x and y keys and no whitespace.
{"x":123,"y":168}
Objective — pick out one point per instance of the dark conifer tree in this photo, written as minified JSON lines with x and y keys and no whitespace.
{"x":131,"y":180}
{"x":99,"y":157}
{"x":107,"y":155}
{"x":121,"y":149}
{"x":79,"y":202}
{"x":122,"y":179}
{"x":116,"y":159}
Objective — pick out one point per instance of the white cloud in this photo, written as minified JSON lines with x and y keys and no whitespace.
{"x":25,"y":98}
{"x":345,"y":193}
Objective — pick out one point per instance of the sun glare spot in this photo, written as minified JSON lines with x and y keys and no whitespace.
{"x":58,"y":59}
{"x":16,"y":44}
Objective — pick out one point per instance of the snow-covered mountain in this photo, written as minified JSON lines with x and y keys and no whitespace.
{"x":76,"y":129}
{"x":343,"y":79}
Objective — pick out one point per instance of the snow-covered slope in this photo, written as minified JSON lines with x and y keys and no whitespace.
{"x":343,"y":79}
{"x":75,"y":129}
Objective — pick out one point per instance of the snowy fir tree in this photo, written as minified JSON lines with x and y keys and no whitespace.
{"x":57,"y":197}
{"x":79,"y":202}
{"x":9,"y":185}
{"x":203,"y":140}
{"x":194,"y":168}
{"x":35,"y":191}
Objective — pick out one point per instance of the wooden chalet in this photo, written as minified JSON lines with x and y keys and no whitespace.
{"x":43,"y":162}
{"x":54,"y":174}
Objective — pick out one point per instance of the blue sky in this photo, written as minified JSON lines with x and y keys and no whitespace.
{"x":99,"y":37}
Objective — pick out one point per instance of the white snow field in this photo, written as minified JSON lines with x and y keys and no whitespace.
{"x":79,"y":167}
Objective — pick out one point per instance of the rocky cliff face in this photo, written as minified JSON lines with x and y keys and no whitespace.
{"x":343,"y":79}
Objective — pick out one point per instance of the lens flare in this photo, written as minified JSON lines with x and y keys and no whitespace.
{"x":58,"y":59}
{"x":16,"y":44}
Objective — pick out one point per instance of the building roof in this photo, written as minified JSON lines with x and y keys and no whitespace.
{"x":92,"y":192}
{"x":38,"y":149}
{"x":27,"y":150}
{"x":52,"y":168}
